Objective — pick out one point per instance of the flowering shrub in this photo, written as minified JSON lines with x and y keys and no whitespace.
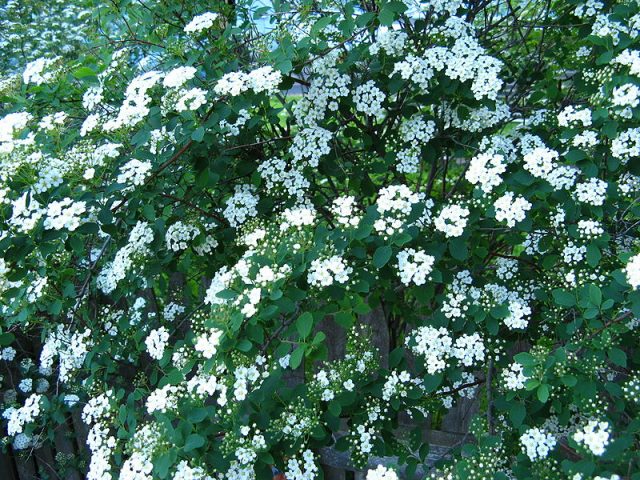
{"x":191,"y":192}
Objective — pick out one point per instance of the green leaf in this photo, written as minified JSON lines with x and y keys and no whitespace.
{"x":197,"y":415}
{"x":193,"y":441}
{"x":595,"y":295}
{"x":344,"y":319}
{"x":83,"y":72}
{"x":618,"y":356}
{"x":458,"y":249}
{"x":382,"y":256}
{"x":525,"y":359}
{"x":593,"y":255}
{"x":296,"y":357}
{"x":198,"y":134}
{"x":564,"y":298}
{"x":304,"y":324}
{"x":517,"y":413}
{"x":543,"y":393}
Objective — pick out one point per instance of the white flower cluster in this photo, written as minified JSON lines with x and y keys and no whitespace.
{"x":519,"y":312}
{"x":201,"y":22}
{"x":511,"y":208}
{"x":246,"y":377}
{"x":140,"y":237}
{"x":156,"y":342}
{"x":626,"y":145}
{"x":19,"y":417}
{"x":207,"y":343}
{"x":327,"y":271}
{"x":242,"y":205}
{"x":325,"y":92}
{"x":631,"y":59}
{"x":11,"y":124}
{"x":465,"y":61}
{"x":541,"y":162}
{"x":585,"y":139}
{"x":263,"y":79}
{"x":178,"y":77}
{"x":485,"y":169}
{"x":163,"y":399}
{"x":626,"y":97}
{"x":368,"y":99}
{"x":391,"y":42}
{"x":26,"y":212}
{"x":395,"y":204}
{"x":382,"y":473}
{"x":589,"y":229}
{"x":71,"y":350}
{"x":93,"y":97}
{"x":160,"y":139}
{"x":436,"y":346}
{"x":139,"y":465}
{"x":416,"y":132}
{"x":452,"y":220}
{"x":186,"y":472}
{"x":275,"y":174}
{"x":305,"y":469}
{"x":398,"y":384}
{"x":233,"y":129}
{"x":39,"y":71}
{"x":343,"y":209}
{"x":414,"y":266}
{"x":514,"y":378}
{"x":172,"y":310}
{"x":588,"y":9}
{"x":180,"y":235}
{"x":134,"y":172}
{"x":592,"y":191}
{"x":469,"y":349}
{"x":136,"y":105}
{"x":537,"y":444}
{"x":99,"y":441}
{"x":456,"y":303}
{"x":309,"y":145}
{"x":51,"y":122}
{"x":594,"y":436}
{"x":190,"y":99}
{"x":65,"y":213}
{"x":632,"y":271}
{"x":571,"y":116}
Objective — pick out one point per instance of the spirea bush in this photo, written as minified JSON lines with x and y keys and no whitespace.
{"x":233,"y":234}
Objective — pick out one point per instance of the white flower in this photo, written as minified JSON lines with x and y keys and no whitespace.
{"x":485,"y":170}
{"x":537,"y":443}
{"x":242,"y":205}
{"x":511,"y":208}
{"x":592,"y":191}
{"x":178,"y":76}
{"x":134,"y":172}
{"x":201,"y":22}
{"x":452,"y":220}
{"x":191,"y":99}
{"x":325,"y":271}
{"x":382,"y":473}
{"x":156,"y":342}
{"x":414,"y":266}
{"x":632,"y":271}
{"x":594,"y":436}
{"x":368,"y":99}
{"x":207,"y":344}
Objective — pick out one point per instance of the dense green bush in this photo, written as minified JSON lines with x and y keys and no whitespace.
{"x":192,"y":191}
